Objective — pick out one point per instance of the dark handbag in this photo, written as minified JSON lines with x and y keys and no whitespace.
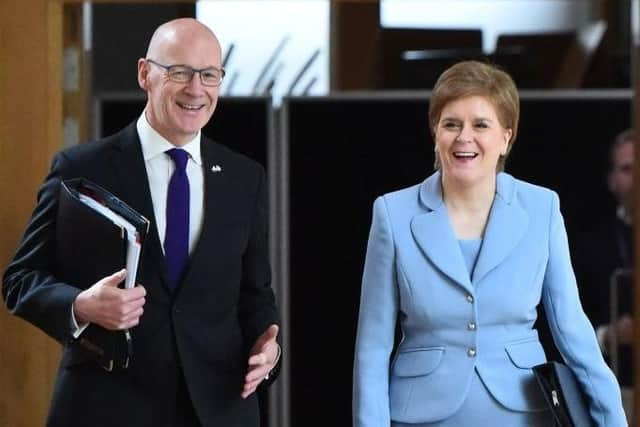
{"x":563,"y":395}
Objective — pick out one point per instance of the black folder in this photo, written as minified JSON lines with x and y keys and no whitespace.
{"x":91,"y":246}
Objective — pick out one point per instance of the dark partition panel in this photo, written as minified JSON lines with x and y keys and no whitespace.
{"x":344,"y":152}
{"x":563,"y":145}
{"x":241,"y":123}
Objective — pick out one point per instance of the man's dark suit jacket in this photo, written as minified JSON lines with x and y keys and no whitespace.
{"x":204,"y":329}
{"x":597,"y":253}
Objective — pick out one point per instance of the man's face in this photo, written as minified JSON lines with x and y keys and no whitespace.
{"x":621,"y":175}
{"x":179,"y":110}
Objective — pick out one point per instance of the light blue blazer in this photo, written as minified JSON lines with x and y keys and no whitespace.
{"x":453,"y":323}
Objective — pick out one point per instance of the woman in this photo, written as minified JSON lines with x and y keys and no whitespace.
{"x":461,"y":261}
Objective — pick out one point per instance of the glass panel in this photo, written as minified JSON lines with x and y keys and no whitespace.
{"x":276,"y":47}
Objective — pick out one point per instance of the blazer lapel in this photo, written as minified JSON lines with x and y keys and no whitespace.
{"x":506,"y":226}
{"x":129,"y":165}
{"x":215,"y":197}
{"x":433,"y":233}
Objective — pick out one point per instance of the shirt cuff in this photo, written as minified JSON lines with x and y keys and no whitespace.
{"x":76,"y":330}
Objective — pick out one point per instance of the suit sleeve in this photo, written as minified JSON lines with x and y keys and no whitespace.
{"x":257,"y":308}
{"x":572,"y":331}
{"x":376,"y":325}
{"x":30,"y":288}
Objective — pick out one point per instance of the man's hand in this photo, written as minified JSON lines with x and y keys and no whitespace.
{"x":109,"y":306}
{"x":262,"y":359}
{"x":624,"y":329}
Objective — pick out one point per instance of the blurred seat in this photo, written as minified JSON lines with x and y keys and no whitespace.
{"x":414,"y":58}
{"x":579,"y":58}
{"x":396,"y":67}
{"x":552,"y":60}
{"x":541,"y":56}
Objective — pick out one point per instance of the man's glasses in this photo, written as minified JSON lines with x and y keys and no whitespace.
{"x":210,"y":76}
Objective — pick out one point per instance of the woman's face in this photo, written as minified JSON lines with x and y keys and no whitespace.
{"x":469,"y":140}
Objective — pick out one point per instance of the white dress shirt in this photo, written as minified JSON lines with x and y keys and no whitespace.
{"x":159,"y":169}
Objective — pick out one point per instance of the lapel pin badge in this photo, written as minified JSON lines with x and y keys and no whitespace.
{"x":216,"y":168}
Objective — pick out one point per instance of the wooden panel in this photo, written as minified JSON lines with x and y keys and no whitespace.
{"x":354,"y":24}
{"x":75,"y":105}
{"x":30,"y":111}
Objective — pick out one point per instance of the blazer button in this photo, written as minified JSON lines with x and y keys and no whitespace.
{"x":471,"y":352}
{"x":471,"y":326}
{"x":470,"y":298}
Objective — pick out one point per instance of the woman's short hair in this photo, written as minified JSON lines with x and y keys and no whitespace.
{"x":475,"y":78}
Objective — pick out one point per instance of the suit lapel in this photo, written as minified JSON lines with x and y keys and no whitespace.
{"x":128,"y":162}
{"x":433,"y":233}
{"x":505,"y":228}
{"x":215,"y":197}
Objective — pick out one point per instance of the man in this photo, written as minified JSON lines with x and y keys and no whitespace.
{"x":605,"y":255}
{"x":203,"y":319}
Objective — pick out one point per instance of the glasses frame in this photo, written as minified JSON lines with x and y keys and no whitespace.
{"x":193,"y":71}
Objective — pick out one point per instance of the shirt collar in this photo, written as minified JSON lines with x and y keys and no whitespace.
{"x":154,"y":144}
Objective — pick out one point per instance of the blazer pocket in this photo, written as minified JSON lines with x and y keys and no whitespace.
{"x":526,"y":354}
{"x":417,"y":362}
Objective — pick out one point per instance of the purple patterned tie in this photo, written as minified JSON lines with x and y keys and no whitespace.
{"x":176,"y":240}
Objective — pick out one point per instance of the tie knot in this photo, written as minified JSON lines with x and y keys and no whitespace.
{"x":179,"y":157}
